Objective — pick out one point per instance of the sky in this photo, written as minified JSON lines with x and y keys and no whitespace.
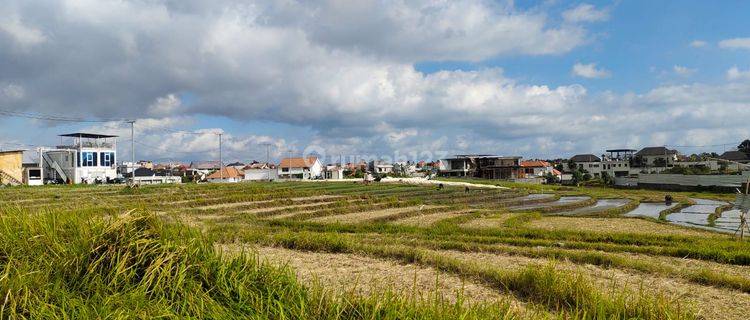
{"x":394,"y":80}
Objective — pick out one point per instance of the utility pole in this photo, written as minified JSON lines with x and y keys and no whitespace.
{"x":132,"y":149}
{"x":221,"y":163}
{"x":268,"y":159}
{"x":289,"y":172}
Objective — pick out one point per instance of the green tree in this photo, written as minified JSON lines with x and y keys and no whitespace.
{"x":607,"y":179}
{"x":744,"y":146}
{"x":551,"y":178}
{"x":572,"y":166}
{"x":577,"y":176}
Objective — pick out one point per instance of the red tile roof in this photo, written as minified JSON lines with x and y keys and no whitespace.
{"x":226,"y":172}
{"x":535,"y":164}
{"x":297,"y":162}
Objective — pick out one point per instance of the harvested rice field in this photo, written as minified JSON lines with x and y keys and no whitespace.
{"x":345,"y":250}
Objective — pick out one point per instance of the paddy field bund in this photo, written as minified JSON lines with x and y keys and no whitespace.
{"x":344,"y":250}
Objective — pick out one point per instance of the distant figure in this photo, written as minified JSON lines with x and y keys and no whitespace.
{"x":466,"y":189}
{"x":440,"y":186}
{"x":668,"y":200}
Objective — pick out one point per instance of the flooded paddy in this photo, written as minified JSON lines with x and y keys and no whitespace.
{"x":698,"y":216}
{"x":600,"y":205}
{"x":649,"y":210}
{"x":561,"y":201}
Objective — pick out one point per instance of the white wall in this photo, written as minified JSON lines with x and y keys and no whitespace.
{"x":261,"y":174}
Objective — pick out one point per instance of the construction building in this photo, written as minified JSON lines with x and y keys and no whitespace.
{"x":86,"y":158}
{"x":482,"y":166}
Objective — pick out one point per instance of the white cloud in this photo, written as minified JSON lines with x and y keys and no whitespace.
{"x":165,"y":105}
{"x":589,"y":71}
{"x":683,"y":71}
{"x":24,"y":35}
{"x":13,"y":91}
{"x":736,"y":43}
{"x":351,"y":84}
{"x":698,"y":43}
{"x":585,"y":13}
{"x":734,"y":74}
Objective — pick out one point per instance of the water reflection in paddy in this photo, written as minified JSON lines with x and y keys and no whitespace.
{"x":561,"y":201}
{"x":697,"y":216}
{"x":650,"y":210}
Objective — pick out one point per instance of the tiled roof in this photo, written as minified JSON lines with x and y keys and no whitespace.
{"x":297,"y":162}
{"x":205,"y":165}
{"x":735,"y":156}
{"x":585,"y":158}
{"x":226,"y":172}
{"x":655,"y":151}
{"x":535,"y":164}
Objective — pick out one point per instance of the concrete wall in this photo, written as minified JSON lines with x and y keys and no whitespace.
{"x":261,"y":174}
{"x":666,"y":180}
{"x":12,"y":164}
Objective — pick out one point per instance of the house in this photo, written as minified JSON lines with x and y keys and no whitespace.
{"x":481,"y":166}
{"x":380,"y":167}
{"x":333,"y":172}
{"x":260,"y":172}
{"x":656,"y":157}
{"x":11,"y":167}
{"x":238,"y":165}
{"x":736,"y":156}
{"x":300,"y":168}
{"x":226,"y":174}
{"x":143,"y":175}
{"x":87,"y":158}
{"x":353,"y":167}
{"x":585,"y":162}
{"x":206,"y":165}
{"x":537,"y":168}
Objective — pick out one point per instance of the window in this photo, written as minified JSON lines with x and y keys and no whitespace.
{"x":88,"y":159}
{"x":107,"y":159}
{"x":285,"y":169}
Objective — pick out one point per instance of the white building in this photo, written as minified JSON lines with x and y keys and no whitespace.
{"x":89,"y":158}
{"x":657,"y":157}
{"x":380,"y":167}
{"x":586,"y":162}
{"x":226,"y":174}
{"x":260,"y":172}
{"x":538,"y":168}
{"x":334,"y":172}
{"x":300,"y":168}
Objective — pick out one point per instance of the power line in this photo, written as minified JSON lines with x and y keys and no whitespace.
{"x":47,"y":117}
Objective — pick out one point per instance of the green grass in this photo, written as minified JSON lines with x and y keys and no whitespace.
{"x":82,"y":265}
{"x":74,"y":253}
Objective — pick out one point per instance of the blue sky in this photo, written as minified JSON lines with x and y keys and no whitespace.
{"x":538,"y":79}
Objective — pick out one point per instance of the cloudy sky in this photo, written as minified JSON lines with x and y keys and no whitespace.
{"x":380,"y":78}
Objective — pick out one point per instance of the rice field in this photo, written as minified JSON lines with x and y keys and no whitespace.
{"x":344,"y":250}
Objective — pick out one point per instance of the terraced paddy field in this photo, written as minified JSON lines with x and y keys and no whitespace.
{"x":344,"y":250}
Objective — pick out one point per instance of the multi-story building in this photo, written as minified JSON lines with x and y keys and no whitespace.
{"x":482,"y":166}
{"x":88,"y":158}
